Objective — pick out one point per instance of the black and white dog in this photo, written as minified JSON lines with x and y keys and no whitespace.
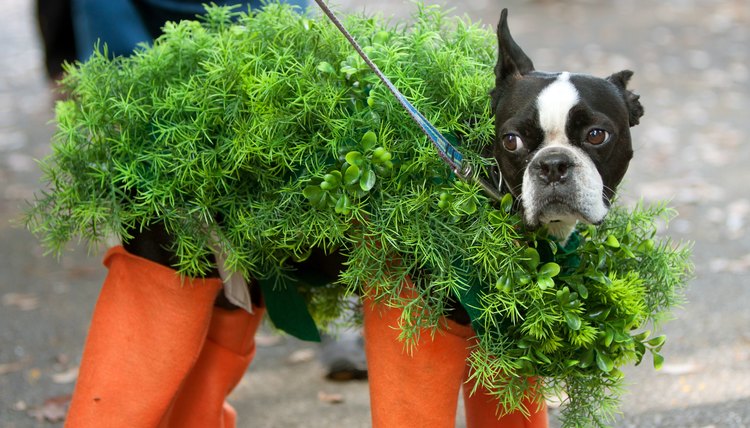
{"x":562,"y":139}
{"x":562,"y":146}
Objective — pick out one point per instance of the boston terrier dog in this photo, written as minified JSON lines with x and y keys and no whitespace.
{"x":562,"y":139}
{"x":562,"y":146}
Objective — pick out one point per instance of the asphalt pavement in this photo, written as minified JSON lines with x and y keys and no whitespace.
{"x":693,"y":73}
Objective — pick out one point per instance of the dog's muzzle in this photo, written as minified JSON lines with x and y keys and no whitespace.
{"x":562,"y":184}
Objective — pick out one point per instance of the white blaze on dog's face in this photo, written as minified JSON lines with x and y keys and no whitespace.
{"x":562,"y":140}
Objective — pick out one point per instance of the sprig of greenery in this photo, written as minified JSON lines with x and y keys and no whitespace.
{"x":265,"y":134}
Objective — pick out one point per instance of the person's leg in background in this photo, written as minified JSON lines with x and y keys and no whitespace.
{"x":55,"y":21}
{"x":114,"y":23}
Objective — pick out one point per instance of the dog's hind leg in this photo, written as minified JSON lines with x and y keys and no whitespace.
{"x":226,"y":354}
{"x":147,"y":331}
{"x":417,"y":389}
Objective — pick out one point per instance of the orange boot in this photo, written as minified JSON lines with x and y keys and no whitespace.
{"x":229,"y":349}
{"x":146,"y":333}
{"x":482,"y":411}
{"x":417,"y":390}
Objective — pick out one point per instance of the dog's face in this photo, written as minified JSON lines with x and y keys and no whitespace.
{"x":562,"y":139}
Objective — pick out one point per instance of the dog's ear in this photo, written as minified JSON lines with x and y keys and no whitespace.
{"x":511,"y":61}
{"x":635,"y":109}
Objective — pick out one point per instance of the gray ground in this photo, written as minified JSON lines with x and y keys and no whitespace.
{"x":692,"y":69}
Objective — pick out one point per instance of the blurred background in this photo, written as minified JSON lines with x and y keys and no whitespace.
{"x":693,"y":73}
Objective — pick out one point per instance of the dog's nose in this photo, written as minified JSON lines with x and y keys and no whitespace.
{"x":554,"y":167}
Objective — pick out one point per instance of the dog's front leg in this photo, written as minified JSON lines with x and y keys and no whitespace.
{"x":421,"y":388}
{"x":417,"y":389}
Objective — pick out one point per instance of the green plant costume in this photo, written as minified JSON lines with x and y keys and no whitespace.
{"x":266,"y":135}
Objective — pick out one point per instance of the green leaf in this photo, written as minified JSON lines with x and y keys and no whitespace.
{"x":604,"y":362}
{"x":355,"y":158}
{"x":545,"y":282}
{"x":504,"y":283}
{"x":628,"y":253}
{"x":587,"y":358}
{"x":657,"y":342}
{"x":506,"y":204}
{"x":348,"y":70}
{"x":381,"y":37}
{"x":621,"y":337}
{"x":381,"y":155}
{"x":351,"y":175}
{"x":582,"y":290}
{"x":531,"y":257}
{"x":646,"y":246}
{"x":616,"y":374}
{"x":313,"y":193}
{"x":598,"y":277}
{"x":573,"y":321}
{"x":367,"y":181}
{"x":306,"y":24}
{"x":368,"y":141}
{"x":540,"y":355}
{"x":658,"y":360}
{"x":343,"y":205}
{"x":522,"y":278}
{"x":549,"y":269}
{"x":600,"y":313}
{"x":469,"y":206}
{"x":326,"y":68}
{"x":612,"y":242}
{"x":609,"y":336}
{"x":573,"y":299}
{"x":640,"y":351}
{"x":334,"y":177}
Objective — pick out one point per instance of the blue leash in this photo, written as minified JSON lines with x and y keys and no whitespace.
{"x":448,"y":153}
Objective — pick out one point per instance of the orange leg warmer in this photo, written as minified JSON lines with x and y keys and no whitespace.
{"x":482,"y":411}
{"x":418,"y":389}
{"x":145,"y":357}
{"x":228,"y":351}
{"x":421,"y":389}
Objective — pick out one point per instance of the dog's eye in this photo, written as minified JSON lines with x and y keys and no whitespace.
{"x":512,"y":142}
{"x":597,"y":136}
